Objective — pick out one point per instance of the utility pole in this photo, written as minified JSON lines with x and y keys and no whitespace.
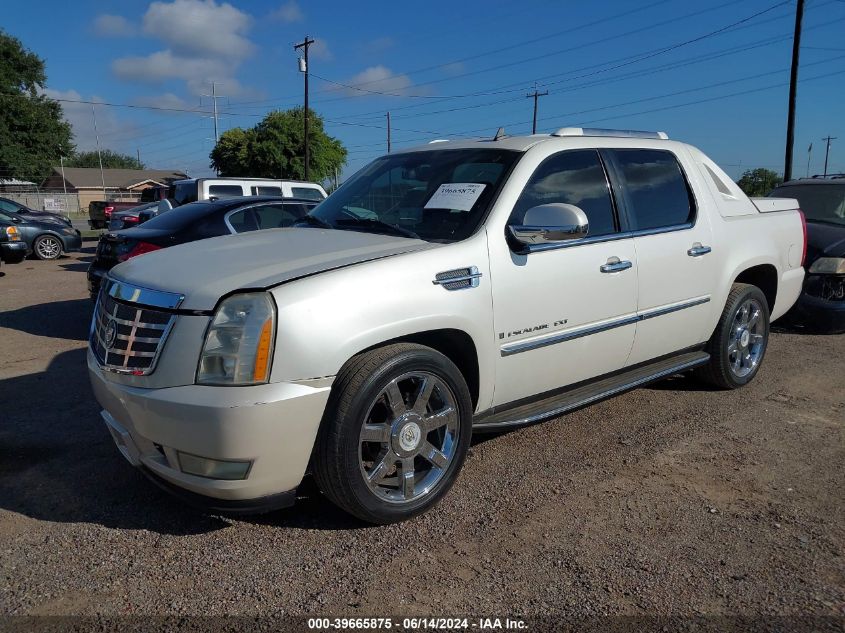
{"x":303,"y":67}
{"x":62,"y":162}
{"x":214,"y":97}
{"x":827,"y":151}
{"x":138,"y":154}
{"x":536,"y":95}
{"x":809,"y":156}
{"x":388,"y":132}
{"x":793,"y":86}
{"x":99,"y":155}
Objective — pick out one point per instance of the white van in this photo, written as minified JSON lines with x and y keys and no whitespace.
{"x":193,"y":189}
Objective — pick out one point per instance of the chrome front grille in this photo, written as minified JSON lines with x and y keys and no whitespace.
{"x":126,"y":337}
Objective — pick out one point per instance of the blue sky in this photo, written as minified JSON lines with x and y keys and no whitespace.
{"x":444,"y":70}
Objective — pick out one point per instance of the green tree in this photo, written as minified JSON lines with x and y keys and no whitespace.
{"x":274,"y":149}
{"x":759,"y":182}
{"x":111,"y":160}
{"x":33,"y":133}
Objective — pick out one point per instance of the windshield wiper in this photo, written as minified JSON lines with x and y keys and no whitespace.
{"x":312,"y":220}
{"x":371,"y":223}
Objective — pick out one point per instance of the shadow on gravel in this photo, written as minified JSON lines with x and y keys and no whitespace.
{"x":79,"y":266}
{"x":680,"y":382}
{"x":59,"y":319}
{"x":58,"y":462}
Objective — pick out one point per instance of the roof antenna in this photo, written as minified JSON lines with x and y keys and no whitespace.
{"x":500,"y":133}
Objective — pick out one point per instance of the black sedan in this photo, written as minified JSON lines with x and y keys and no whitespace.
{"x":821,"y":305}
{"x":46,"y":240}
{"x":129,"y":218}
{"x":13,"y":206}
{"x":191,"y":222}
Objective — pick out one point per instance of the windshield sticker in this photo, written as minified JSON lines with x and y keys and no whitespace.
{"x":458,"y":196}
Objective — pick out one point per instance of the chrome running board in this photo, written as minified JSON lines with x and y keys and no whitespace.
{"x":585,"y":394}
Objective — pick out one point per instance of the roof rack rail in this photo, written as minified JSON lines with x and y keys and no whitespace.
{"x":831,"y":176}
{"x":594,"y":131}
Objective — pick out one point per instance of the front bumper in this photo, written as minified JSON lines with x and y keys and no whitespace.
{"x":272,"y":426}
{"x":72,"y":243}
{"x":13,"y":252}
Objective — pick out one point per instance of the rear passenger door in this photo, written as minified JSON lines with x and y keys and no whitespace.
{"x":673,"y":243}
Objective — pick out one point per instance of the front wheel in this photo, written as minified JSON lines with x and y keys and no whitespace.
{"x":739,"y":342}
{"x":47,"y":247}
{"x":395,"y":435}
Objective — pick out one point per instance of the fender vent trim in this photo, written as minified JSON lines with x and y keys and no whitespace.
{"x":458,"y":278}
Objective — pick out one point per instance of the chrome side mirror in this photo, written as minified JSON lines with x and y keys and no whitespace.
{"x":550,"y":224}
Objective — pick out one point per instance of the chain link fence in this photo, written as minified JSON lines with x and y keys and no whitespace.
{"x":55,"y":202}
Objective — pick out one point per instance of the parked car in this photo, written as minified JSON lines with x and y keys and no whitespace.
{"x":821,"y":305}
{"x":100,"y":212}
{"x":13,"y":250}
{"x":130,"y":217}
{"x":462,"y":286}
{"x":193,"y":221}
{"x":45,"y":240}
{"x":196,"y":189}
{"x":13,"y":206}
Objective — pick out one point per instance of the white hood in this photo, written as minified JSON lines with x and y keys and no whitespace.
{"x":206,"y":270}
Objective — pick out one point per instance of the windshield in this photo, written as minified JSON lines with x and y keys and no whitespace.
{"x":822,"y":203}
{"x":438,"y":196}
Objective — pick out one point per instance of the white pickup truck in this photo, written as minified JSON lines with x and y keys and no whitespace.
{"x":457,"y":287}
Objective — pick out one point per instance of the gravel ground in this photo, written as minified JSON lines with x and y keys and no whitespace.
{"x":672,"y":500}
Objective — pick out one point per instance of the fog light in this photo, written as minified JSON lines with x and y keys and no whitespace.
{"x":212,"y":468}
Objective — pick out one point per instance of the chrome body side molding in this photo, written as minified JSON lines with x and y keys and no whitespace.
{"x":518,"y":347}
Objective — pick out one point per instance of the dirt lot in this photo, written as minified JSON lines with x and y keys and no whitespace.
{"x":669,"y":500}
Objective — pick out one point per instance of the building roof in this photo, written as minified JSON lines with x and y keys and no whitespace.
{"x":89,"y":177}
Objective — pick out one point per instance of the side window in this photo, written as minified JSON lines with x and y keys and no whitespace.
{"x":306,"y":193}
{"x":262,"y":190}
{"x":225,"y":191}
{"x":274,"y":216}
{"x":6,"y":205}
{"x":184,"y":192}
{"x":656,"y":190}
{"x":242,"y":221}
{"x":574,"y":177}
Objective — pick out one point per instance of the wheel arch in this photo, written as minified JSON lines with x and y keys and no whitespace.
{"x":455,"y":344}
{"x":765,"y":277}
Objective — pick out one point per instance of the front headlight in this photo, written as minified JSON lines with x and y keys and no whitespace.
{"x":239,"y":342}
{"x":828,"y":266}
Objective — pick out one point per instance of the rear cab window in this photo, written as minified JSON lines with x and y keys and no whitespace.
{"x":657,"y":194}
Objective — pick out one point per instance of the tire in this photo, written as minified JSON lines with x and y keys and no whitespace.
{"x":385,"y":471}
{"x":739,"y":341}
{"x":47,"y":247}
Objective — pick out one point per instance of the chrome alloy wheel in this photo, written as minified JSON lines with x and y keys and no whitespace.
{"x":48,"y":248}
{"x":409,"y":437}
{"x":747,"y":341}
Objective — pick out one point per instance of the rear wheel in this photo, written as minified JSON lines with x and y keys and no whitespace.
{"x":395,"y":435}
{"x":47,"y":247}
{"x":739,"y":342}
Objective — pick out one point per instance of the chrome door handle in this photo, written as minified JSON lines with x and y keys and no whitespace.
{"x":614,"y":265}
{"x":698,"y":250}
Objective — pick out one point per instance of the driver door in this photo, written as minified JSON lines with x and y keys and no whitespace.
{"x":563,"y":312}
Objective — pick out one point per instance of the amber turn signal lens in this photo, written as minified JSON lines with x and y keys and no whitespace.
{"x":262,"y":353}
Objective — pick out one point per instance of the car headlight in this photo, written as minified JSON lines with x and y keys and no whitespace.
{"x":829,"y":266}
{"x":239,"y":343}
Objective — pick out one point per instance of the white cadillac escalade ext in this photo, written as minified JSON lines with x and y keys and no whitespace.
{"x":457,"y":287}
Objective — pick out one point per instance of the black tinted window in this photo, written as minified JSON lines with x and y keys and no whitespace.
{"x":266,"y":191}
{"x":655,"y":188}
{"x":225,"y":191}
{"x":575,"y":178}
{"x":820,"y":202}
{"x":306,"y":193}
{"x":180,"y":217}
{"x":274,"y":216}
{"x":184,"y":192}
